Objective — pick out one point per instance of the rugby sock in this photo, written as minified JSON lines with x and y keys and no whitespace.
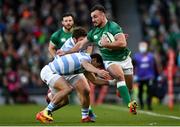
{"x":84,"y":112}
{"x":123,"y":90}
{"x":90,"y":109}
{"x":51,"y":107}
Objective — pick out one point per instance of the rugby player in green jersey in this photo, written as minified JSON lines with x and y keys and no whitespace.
{"x":116,"y":55}
{"x":59,"y":37}
{"x":82,"y":87}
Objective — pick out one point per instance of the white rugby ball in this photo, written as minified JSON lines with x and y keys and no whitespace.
{"x":109,"y":36}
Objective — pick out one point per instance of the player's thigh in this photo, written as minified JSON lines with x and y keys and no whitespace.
{"x":62,"y":84}
{"x":82,"y":85}
{"x":116,"y":71}
{"x":49,"y":77}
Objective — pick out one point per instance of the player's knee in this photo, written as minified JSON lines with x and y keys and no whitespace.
{"x":120,"y":78}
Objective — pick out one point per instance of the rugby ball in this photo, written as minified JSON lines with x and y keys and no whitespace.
{"x":109,"y":37}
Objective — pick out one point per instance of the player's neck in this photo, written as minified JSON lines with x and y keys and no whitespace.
{"x":104,"y":23}
{"x":66,"y":30}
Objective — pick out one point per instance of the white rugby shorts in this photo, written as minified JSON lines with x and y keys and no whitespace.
{"x":126,"y":65}
{"x":50,"y":77}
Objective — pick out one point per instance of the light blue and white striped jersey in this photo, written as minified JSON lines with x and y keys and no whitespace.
{"x":69,"y":64}
{"x":68,"y":44}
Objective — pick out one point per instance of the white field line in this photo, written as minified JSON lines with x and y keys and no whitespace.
{"x":143,"y":112}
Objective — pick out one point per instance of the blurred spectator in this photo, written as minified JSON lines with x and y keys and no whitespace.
{"x":145,"y":73}
{"x":14,"y":88}
{"x":161,"y":29}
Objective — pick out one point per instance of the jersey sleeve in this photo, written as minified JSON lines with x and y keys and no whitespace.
{"x":115,"y":29}
{"x":67,"y":45}
{"x":54,"y":39}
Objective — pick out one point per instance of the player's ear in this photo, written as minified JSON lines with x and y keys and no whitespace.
{"x":62,"y":22}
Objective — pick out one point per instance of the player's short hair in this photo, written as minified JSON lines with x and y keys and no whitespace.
{"x":79,"y":32}
{"x":98,"y":7}
{"x":98,"y":59}
{"x":67,"y":15}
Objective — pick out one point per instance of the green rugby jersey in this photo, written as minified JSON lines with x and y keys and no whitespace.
{"x":95,"y":35}
{"x":59,"y":37}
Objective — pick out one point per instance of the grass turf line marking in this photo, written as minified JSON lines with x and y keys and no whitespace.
{"x":143,"y":112}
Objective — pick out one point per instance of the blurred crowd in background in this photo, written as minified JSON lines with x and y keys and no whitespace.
{"x":161,"y":29}
{"x":26,"y":26}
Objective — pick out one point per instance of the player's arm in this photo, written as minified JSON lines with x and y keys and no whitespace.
{"x":90,"y":68}
{"x":97,"y":80}
{"x":78,"y":46}
{"x":52,"y":49}
{"x":90,"y":49}
{"x":120,"y":42}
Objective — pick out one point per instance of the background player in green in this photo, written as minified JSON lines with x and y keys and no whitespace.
{"x":59,"y":37}
{"x":115,"y":55}
{"x":82,"y":87}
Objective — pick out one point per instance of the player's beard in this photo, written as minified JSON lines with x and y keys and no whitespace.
{"x":68,"y":27}
{"x":96,"y":24}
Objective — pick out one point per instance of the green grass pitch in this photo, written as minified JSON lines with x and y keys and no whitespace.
{"x":107,"y":115}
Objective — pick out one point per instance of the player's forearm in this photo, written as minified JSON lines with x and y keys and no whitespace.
{"x":116,"y":45}
{"x":79,"y":45}
{"x":52,"y":52}
{"x":76,"y":48}
{"x":95,"y":80}
{"x":90,"y":68}
{"x":52,"y":49}
{"x":99,"y":81}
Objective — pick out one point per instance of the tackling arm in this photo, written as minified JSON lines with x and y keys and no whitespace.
{"x":98,"y":81}
{"x":94,"y":79}
{"x":90,"y":68}
{"x":79,"y":45}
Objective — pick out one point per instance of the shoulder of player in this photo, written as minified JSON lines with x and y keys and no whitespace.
{"x":69,"y":41}
{"x":113,"y":24}
{"x":92,"y":30}
{"x":57,"y":33}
